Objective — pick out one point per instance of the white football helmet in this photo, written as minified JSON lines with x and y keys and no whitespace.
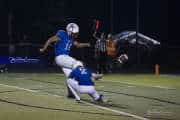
{"x":72,"y":28}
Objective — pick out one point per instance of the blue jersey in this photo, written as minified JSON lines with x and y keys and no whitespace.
{"x":63,"y":46}
{"x":82,"y":75}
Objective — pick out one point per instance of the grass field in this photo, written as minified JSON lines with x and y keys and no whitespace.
{"x":37,"y":96}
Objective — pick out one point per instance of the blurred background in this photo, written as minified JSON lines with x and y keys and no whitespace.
{"x":26,"y":25}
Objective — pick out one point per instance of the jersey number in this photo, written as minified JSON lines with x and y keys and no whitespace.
{"x":83,"y":71}
{"x":68,"y":46}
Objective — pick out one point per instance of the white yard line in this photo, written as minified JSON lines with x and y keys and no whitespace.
{"x":161,"y":87}
{"x":18,"y":88}
{"x":29,"y":90}
{"x":97,"y":106}
{"x":116,"y":111}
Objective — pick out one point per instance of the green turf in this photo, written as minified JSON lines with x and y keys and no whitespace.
{"x":146,"y":80}
{"x":150,"y":96}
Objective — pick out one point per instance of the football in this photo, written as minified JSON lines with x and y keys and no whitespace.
{"x":122,"y":58}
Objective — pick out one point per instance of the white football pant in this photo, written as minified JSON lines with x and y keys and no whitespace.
{"x":83,"y":89}
{"x":65,"y":61}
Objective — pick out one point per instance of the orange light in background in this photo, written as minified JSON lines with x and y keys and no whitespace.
{"x":157,"y":69}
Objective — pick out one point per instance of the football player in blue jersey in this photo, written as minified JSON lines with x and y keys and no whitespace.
{"x":82,"y":82}
{"x":63,"y":41}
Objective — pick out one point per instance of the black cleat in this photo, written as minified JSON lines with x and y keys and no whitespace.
{"x":71,"y":96}
{"x":100,"y":99}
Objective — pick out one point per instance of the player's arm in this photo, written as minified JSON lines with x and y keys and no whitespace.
{"x":52,"y":39}
{"x":81,"y":45}
{"x":95,"y":36}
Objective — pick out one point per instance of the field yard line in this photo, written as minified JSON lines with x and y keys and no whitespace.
{"x":19,"y":88}
{"x":161,"y":87}
{"x":97,"y":106}
{"x":116,"y":111}
{"x":29,"y":90}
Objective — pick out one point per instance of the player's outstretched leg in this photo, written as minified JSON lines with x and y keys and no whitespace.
{"x":73,"y":87}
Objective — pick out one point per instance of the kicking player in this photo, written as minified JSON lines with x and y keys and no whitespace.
{"x":63,"y":41}
{"x":82,"y":83}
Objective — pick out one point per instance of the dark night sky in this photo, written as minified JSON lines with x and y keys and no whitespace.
{"x":40,"y":18}
{"x":36,"y":20}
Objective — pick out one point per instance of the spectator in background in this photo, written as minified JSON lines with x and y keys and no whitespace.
{"x":111,"y":46}
{"x":100,"y":52}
